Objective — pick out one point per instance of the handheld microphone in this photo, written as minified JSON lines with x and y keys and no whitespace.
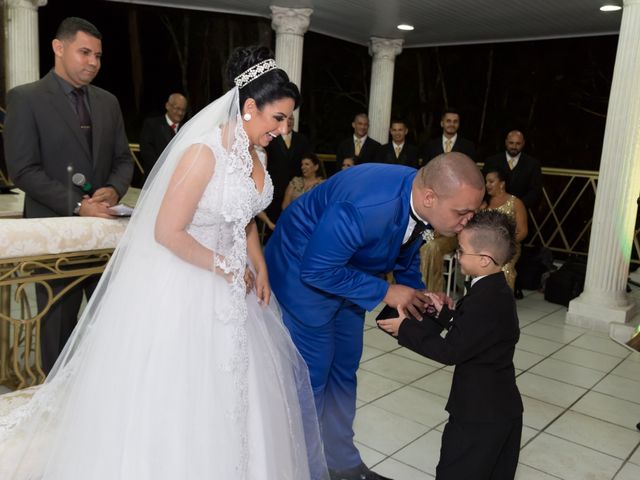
{"x":80,"y":181}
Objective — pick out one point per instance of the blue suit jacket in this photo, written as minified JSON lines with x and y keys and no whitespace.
{"x":335,"y":242}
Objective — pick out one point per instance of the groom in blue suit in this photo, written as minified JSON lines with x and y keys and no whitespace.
{"x":327,"y":260}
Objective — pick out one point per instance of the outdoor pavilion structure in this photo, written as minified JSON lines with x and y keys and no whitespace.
{"x":447,"y":22}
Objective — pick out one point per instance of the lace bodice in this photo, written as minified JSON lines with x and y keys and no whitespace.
{"x":241,"y":200}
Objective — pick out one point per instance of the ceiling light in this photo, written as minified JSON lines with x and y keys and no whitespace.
{"x":404,"y":26}
{"x":610,"y":8}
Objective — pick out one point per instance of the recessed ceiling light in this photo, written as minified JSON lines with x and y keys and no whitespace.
{"x":404,"y":26}
{"x":610,"y":8}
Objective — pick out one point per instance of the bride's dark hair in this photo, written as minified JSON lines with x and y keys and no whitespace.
{"x":268,"y":87}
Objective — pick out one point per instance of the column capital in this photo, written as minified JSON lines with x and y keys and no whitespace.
{"x":33,"y":4}
{"x":290,"y":20}
{"x":385,"y":48}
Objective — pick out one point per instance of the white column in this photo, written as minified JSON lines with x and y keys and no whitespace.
{"x":290,"y":25}
{"x":384,"y":53}
{"x":604,"y":299}
{"x":22,"y":51}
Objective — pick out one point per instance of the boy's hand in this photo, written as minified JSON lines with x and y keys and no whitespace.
{"x":392,"y":325}
{"x":438,"y":300}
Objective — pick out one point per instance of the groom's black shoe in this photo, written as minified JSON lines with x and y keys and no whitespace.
{"x":359,"y":473}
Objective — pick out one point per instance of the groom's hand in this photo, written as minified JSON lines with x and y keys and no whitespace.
{"x":402,"y":297}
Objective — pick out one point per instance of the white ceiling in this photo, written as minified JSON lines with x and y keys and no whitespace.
{"x":437,"y":22}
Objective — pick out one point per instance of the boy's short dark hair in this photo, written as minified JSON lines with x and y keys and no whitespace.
{"x":493,"y":232}
{"x":71,"y":25}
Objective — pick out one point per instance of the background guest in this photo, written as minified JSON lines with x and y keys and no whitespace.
{"x":398,"y":150}
{"x":310,"y":178}
{"x":499,"y":198}
{"x":157,"y":132}
{"x":359,"y":146}
{"x":347,"y":163}
{"x":450,"y":141}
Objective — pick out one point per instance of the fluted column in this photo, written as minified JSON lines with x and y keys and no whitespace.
{"x":384,"y":52}
{"x":290,"y":25}
{"x":22,"y":51}
{"x":604,"y":299}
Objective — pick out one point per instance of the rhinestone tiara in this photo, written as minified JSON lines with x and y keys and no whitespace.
{"x":254,"y":72}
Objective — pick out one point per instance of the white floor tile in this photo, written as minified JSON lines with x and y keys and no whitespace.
{"x":525,"y":472}
{"x":600,"y":344}
{"x":620,"y":387}
{"x":587,"y":358}
{"x":376,"y":338}
{"x":370,"y":457}
{"x":369,"y":352}
{"x":415,"y":404}
{"x":411,"y":355}
{"x":528,"y":315}
{"x":438,"y":382}
{"x":635,"y":458}
{"x":629,"y":368}
{"x":549,"y":332}
{"x":538,"y":345}
{"x":558,"y":319}
{"x":596,"y":434}
{"x":568,"y":373}
{"x":397,"y":368}
{"x":537,"y":302}
{"x":629,"y":472}
{"x":527,"y":434}
{"x":538,"y":414}
{"x":548,"y":390}
{"x":372,"y":386}
{"x":384,"y":431}
{"x":422,"y":454}
{"x":399,"y":471}
{"x":568,"y":460}
{"x":609,"y":409}
{"x":524,"y":360}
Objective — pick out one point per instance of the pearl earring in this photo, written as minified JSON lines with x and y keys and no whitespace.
{"x":246,"y":117}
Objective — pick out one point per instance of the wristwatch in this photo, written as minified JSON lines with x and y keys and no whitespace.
{"x":76,"y":211}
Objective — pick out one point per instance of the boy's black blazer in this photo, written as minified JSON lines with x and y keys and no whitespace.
{"x":480,"y":342}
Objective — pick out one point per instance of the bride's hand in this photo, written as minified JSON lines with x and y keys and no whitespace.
{"x":263,"y":290}
{"x":249,"y":279}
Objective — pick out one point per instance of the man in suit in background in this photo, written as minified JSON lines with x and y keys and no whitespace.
{"x":525,"y":180}
{"x":327,"y":258}
{"x":359,"y":146}
{"x":284,"y":154}
{"x":398,"y":150}
{"x":63,"y":123}
{"x":449,"y":141}
{"x":157,"y":132}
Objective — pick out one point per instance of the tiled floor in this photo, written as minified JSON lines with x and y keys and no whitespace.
{"x":581,"y":394}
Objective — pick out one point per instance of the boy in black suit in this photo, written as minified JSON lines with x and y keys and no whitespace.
{"x":482,"y":438}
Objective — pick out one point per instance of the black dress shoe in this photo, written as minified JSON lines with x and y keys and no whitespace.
{"x":359,"y":473}
{"x":518,"y":294}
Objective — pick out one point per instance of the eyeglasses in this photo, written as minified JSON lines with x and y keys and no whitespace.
{"x":460,"y":252}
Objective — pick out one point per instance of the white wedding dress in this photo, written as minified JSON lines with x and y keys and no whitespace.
{"x":175,"y":372}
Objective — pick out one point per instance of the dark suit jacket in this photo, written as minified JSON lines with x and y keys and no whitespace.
{"x":525,"y":180}
{"x":433,"y":148}
{"x":482,"y":334}
{"x":408,"y":155}
{"x":42,"y":137}
{"x":346,"y":149}
{"x":154,"y":138}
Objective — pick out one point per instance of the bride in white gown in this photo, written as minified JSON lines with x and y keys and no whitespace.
{"x":180,"y":367}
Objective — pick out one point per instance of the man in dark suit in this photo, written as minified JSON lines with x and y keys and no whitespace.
{"x":398,"y":150}
{"x":449,"y":141}
{"x":157,"y":132}
{"x":58,"y":123}
{"x":284,"y":154}
{"x":485,"y":408}
{"x":359,"y":146}
{"x":327,"y":258}
{"x":525,"y":181}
